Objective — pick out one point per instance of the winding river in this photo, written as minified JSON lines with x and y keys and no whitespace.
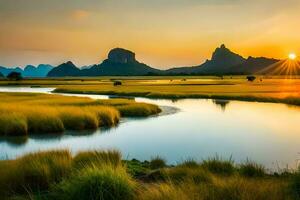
{"x":267,"y":133}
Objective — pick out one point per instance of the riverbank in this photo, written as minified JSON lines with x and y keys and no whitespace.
{"x":278,"y":89}
{"x":104,"y":175}
{"x":33,"y":113}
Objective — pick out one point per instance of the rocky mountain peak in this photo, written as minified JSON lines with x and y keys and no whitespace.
{"x":119,"y":55}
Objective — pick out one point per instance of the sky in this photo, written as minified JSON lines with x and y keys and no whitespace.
{"x":162,"y":33}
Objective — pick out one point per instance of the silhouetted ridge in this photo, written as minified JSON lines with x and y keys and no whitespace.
{"x":65,"y":69}
{"x":120,"y":62}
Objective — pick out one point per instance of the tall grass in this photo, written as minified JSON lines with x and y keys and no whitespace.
{"x":41,"y":113}
{"x":97,"y":158}
{"x":94,"y":183}
{"x":218,"y":165}
{"x":102,"y":175}
{"x":35,"y":172}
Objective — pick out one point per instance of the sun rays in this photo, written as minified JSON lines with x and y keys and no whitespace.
{"x":289,"y":67}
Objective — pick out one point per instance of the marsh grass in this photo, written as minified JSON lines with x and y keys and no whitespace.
{"x":35,"y":172}
{"x":42,"y":113}
{"x":157,"y":162}
{"x":219,"y":166}
{"x":97,"y":158}
{"x":252,"y":169}
{"x":102,"y":175}
{"x":94,"y":183}
{"x":138,"y":110}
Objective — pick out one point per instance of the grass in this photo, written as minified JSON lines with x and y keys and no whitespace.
{"x":43,"y":113}
{"x":277,"y":89}
{"x":270,"y":89}
{"x":102,"y":175}
{"x":95,"y":183}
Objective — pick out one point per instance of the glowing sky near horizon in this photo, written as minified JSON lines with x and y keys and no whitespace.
{"x":162,"y":33}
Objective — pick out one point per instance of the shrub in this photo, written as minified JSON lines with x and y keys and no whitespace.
{"x":95,"y":183}
{"x":251,"y":78}
{"x":97,"y":158}
{"x":117,"y":83}
{"x":15,"y":76}
{"x":157,"y":162}
{"x":218,"y":166}
{"x":251,"y":169}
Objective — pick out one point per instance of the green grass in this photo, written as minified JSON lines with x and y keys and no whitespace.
{"x":94,"y":183}
{"x":98,"y":158}
{"x":219,"y":166}
{"x":252,"y":169}
{"x":157,"y":162}
{"x":44,"y":113}
{"x":102,"y":175}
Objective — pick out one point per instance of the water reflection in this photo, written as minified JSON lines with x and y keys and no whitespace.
{"x":221,"y":103}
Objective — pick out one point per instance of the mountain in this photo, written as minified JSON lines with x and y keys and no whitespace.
{"x":5,"y":71}
{"x":65,"y":69}
{"x":29,"y":71}
{"x":120,"y":62}
{"x":39,"y":71}
{"x":254,"y":65}
{"x":222,"y":61}
{"x":1,"y":75}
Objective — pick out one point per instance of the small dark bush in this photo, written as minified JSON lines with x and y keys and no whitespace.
{"x":117,"y":83}
{"x":157,"y":163}
{"x":251,"y":78}
{"x":251,"y":169}
{"x":15,"y":76}
{"x":219,"y":166}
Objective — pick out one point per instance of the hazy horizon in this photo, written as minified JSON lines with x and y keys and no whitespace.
{"x":163,"y":34}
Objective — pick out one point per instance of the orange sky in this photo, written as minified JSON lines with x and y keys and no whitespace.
{"x":162,"y":33}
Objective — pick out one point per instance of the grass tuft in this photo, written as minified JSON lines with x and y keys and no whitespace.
{"x":252,"y":169}
{"x":218,"y":165}
{"x":157,"y":162}
{"x":97,"y":158}
{"x":94,"y":183}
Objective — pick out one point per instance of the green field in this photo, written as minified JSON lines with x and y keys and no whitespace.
{"x":103,"y":175}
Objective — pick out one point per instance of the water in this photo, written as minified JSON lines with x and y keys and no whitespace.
{"x":264,"y":132}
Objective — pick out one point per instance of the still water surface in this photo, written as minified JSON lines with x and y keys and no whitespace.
{"x":191,"y":128}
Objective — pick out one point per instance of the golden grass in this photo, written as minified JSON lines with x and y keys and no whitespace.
{"x":90,"y":174}
{"x":278,"y":89}
{"x":23,"y":113}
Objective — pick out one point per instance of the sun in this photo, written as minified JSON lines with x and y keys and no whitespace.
{"x":292,"y":56}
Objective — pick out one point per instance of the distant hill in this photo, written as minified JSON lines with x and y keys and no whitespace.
{"x":224,"y":61}
{"x":29,"y":71}
{"x":1,"y":75}
{"x":120,"y":62}
{"x":65,"y":69}
{"x":5,"y":71}
{"x":40,"y":71}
